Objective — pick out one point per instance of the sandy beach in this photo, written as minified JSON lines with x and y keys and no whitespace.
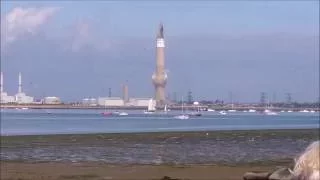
{"x":100,"y":171}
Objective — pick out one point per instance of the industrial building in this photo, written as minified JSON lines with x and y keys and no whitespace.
{"x":4,"y":96}
{"x":89,"y":101}
{"x":21,"y":97}
{"x":110,"y":101}
{"x":52,"y":100}
{"x":139,"y":102}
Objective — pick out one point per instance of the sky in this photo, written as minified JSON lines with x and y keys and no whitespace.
{"x":213,"y":48}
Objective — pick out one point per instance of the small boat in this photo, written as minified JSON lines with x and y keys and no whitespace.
{"x":269,"y":112}
{"x":151,"y":107}
{"x":182,"y":116}
{"x":232,"y":110}
{"x":116,"y":112}
{"x":304,"y":111}
{"x":195,"y":114}
{"x":123,"y":114}
{"x":282,"y":111}
{"x":222,"y":113}
{"x":312,"y":111}
{"x":210,"y":110}
{"x":289,"y":111}
{"x":107,"y":113}
{"x":252,"y":110}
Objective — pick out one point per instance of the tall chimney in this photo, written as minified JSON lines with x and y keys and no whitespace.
{"x":20,"y":83}
{"x":125,"y":93}
{"x":1,"y":85}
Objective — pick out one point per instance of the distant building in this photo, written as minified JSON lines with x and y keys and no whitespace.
{"x":110,"y":101}
{"x":4,"y":96}
{"x":139,"y":102}
{"x":89,"y":102}
{"x":6,"y":99}
{"x":52,"y":100}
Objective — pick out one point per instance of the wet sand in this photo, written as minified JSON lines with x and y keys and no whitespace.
{"x":99,"y":171}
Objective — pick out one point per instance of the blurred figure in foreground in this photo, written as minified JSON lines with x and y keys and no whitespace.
{"x":307,"y":165}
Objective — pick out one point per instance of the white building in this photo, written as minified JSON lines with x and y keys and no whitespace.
{"x":3,"y":95}
{"x":6,"y":99}
{"x":20,"y":97}
{"x":89,"y":101}
{"x":52,"y":100}
{"x":110,"y":101}
{"x":139,"y":102}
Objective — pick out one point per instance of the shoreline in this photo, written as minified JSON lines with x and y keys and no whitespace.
{"x":172,"y":107}
{"x":172,"y":133}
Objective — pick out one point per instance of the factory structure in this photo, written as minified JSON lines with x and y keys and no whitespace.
{"x":5,"y":98}
{"x":160,"y":76}
{"x":21,"y":97}
{"x":125,"y":100}
{"x":159,"y":80}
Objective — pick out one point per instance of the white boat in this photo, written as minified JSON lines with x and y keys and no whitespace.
{"x":304,"y":111}
{"x":151,"y":107}
{"x":210,"y":110}
{"x":232,"y":110}
{"x":166,"y":109}
{"x":252,"y":110}
{"x":123,"y":114}
{"x":312,"y":111}
{"x":182,"y":115}
{"x":222,"y":113}
{"x":282,"y":111}
{"x":245,"y":111}
{"x":269,"y":112}
{"x":289,"y":111}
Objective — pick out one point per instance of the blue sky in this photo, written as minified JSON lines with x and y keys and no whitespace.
{"x":213,"y":47}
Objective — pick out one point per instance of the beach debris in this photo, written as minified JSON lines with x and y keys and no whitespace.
{"x":281,"y":174}
{"x":169,"y":178}
{"x":256,"y":176}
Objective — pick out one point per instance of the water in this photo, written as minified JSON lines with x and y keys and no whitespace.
{"x":32,"y":122}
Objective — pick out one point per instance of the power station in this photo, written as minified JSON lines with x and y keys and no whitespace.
{"x":159,"y":77}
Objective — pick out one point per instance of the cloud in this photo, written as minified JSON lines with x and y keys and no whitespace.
{"x":82,"y":36}
{"x":22,"y":21}
{"x":86,"y":34}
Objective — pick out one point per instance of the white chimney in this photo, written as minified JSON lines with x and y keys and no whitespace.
{"x":20,"y":83}
{"x":1,"y":83}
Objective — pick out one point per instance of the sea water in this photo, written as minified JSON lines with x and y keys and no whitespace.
{"x":33,"y":122}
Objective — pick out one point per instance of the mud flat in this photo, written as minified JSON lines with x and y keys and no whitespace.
{"x":187,"y":155}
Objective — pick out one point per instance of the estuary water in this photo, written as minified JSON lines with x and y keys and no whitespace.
{"x":36,"y":122}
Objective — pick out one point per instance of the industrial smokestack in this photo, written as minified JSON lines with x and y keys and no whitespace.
{"x":160,"y":76}
{"x":1,"y":85}
{"x":125,"y":92}
{"x":20,"y":83}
